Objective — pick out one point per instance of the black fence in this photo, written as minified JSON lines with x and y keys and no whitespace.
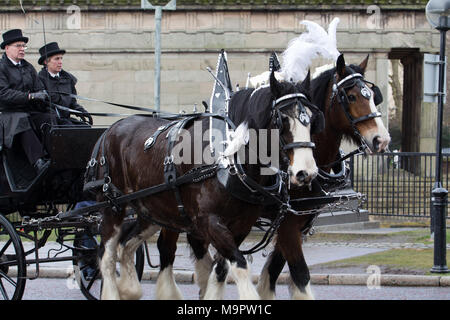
{"x":398,"y":183}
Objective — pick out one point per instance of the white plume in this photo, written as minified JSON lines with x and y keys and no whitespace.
{"x":298,"y":56}
{"x":326,"y":41}
{"x":239,"y":138}
{"x":297,"y":59}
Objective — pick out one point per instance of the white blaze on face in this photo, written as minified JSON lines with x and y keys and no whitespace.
{"x":379,"y":132}
{"x":302,"y":167}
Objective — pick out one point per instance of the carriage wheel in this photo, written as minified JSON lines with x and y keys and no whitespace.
{"x":87,"y":271}
{"x":13,"y":269}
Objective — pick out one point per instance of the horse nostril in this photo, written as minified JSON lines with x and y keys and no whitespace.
{"x":301,"y":175}
{"x":376,"y":143}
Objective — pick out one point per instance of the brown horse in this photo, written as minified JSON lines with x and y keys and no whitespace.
{"x":201,"y":207}
{"x":348,"y":104}
{"x":354,"y":118}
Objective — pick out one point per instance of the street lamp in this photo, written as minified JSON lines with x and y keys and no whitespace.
{"x":438,"y":15}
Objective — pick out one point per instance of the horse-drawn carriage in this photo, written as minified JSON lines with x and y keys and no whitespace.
{"x":140,"y":189}
{"x":30,"y":209}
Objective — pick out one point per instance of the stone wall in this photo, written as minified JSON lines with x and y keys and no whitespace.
{"x":111,"y":51}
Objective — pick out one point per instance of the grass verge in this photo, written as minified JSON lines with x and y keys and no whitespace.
{"x":402,"y":261}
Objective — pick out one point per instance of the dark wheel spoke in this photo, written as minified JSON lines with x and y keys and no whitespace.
{"x":5,"y":246}
{"x":92,"y":281}
{"x":11,"y":254}
{"x":3,"y":291}
{"x":7,"y":278}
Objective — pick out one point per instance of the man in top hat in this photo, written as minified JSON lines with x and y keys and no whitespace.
{"x":22,"y":97}
{"x":55,"y":80}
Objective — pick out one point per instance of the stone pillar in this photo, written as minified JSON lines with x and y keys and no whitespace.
{"x":382,"y":81}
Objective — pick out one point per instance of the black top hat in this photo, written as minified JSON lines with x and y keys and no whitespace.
{"x":50,"y":49}
{"x":12,"y":36}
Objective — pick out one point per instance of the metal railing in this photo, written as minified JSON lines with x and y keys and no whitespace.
{"x":398,"y":183}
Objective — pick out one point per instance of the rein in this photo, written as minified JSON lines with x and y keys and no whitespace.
{"x":359,"y":150}
{"x":78,"y":97}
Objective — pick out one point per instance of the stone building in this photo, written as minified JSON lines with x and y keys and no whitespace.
{"x":110,"y":47}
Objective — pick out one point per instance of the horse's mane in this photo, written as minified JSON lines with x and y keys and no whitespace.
{"x":319,"y":85}
{"x":255,"y":105}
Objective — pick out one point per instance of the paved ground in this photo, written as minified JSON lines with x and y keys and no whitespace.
{"x":63,"y":289}
{"x":316,"y":252}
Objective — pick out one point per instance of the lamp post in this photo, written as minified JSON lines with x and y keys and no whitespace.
{"x":171,"y":5}
{"x":438,"y":15}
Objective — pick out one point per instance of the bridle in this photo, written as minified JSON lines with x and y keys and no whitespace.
{"x":303,"y":117}
{"x":338,"y":91}
{"x":281,"y":174}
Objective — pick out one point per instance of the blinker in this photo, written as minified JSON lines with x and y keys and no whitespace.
{"x":378,"y":96}
{"x":365,"y":92}
{"x":303,"y":116}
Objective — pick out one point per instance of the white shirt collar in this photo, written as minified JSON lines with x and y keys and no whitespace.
{"x":53,"y":74}
{"x":15,"y":63}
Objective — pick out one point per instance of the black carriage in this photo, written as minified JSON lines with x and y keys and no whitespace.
{"x":32,"y":206}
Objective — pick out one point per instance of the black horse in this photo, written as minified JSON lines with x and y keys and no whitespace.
{"x":201,"y":207}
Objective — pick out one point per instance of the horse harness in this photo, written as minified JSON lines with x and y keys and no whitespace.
{"x":316,"y":120}
{"x":233,"y":177}
{"x":228,"y":176}
{"x":338,"y":91}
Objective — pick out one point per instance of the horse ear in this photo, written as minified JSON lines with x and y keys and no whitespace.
{"x":363,"y":64}
{"x":340,"y":66}
{"x":274,"y":85}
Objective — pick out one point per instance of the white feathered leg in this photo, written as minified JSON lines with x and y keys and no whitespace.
{"x":128,"y":284}
{"x":215,"y":289}
{"x":108,"y":268}
{"x":166,"y":287}
{"x":297,"y":294}
{"x":203,"y":269}
{"x":263,"y":286}
{"x":242,"y":277}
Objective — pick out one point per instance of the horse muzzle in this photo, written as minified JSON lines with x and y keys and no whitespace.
{"x":303,"y":177}
{"x":379,"y":144}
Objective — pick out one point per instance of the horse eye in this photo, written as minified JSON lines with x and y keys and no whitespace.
{"x":351,"y":98}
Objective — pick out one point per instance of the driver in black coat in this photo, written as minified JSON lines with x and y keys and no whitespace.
{"x":58,"y":81}
{"x":22,"y":101}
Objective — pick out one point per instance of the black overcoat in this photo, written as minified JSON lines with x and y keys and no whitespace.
{"x":16,"y":82}
{"x":64,"y":83}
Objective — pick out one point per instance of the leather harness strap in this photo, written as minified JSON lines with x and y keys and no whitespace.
{"x":170,"y":171}
{"x":151,"y":141}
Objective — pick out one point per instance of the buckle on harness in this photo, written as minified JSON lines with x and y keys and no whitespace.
{"x":92,"y":163}
{"x":168,"y":160}
{"x":106,"y":184}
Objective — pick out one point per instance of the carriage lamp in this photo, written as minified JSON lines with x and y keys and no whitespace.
{"x":438,"y":15}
